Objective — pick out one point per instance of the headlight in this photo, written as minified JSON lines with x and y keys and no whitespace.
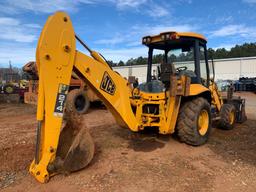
{"x":146,"y":40}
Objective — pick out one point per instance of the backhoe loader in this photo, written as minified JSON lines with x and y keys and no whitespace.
{"x":180,"y":99}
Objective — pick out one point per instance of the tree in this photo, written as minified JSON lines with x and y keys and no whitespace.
{"x":112,"y":64}
{"x":121,"y":63}
{"x":245,"y":50}
{"x":141,"y":60}
{"x":211,"y":53}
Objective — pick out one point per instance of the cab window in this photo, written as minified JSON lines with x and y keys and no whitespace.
{"x":203,"y":69}
{"x":183,"y":60}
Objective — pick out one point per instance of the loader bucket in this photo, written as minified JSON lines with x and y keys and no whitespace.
{"x":239,"y":104}
{"x":76,"y":147}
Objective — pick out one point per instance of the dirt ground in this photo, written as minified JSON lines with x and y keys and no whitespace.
{"x":127,"y":162}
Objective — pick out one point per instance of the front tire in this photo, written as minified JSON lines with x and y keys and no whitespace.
{"x":194,"y":122}
{"x":227,"y":117}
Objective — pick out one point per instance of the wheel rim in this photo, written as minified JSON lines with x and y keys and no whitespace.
{"x":232,"y":117}
{"x":80,"y":102}
{"x":203,"y":122}
{"x":9,"y":89}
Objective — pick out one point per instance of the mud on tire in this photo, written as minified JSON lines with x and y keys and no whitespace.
{"x":187,"y":127}
{"x":226,"y":122}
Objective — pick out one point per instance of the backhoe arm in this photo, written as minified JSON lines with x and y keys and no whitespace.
{"x":56,"y":58}
{"x":109,"y":86}
{"x":216,"y":97}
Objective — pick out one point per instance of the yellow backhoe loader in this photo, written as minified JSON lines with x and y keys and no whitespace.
{"x":181,"y":99}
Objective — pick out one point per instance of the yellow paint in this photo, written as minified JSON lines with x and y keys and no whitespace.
{"x":196,"y":89}
{"x":203,"y":122}
{"x":172,"y":115}
{"x":231,"y":117}
{"x":55,"y":67}
{"x":119,"y":103}
{"x":216,"y":97}
{"x":158,"y":38}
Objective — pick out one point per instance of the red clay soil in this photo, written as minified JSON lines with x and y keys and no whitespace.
{"x":125,"y":161}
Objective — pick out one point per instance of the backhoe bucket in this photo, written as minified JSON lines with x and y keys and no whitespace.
{"x":76,"y":147}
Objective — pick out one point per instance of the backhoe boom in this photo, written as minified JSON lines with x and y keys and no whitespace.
{"x":56,"y":58}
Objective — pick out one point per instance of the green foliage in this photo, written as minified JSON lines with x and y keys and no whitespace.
{"x":245,"y":50}
{"x":111,"y":63}
{"x":121,"y":63}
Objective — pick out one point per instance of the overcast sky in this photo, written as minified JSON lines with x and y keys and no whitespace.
{"x":115,"y":27}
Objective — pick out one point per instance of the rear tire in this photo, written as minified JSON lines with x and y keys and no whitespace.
{"x":227,"y":117}
{"x":77,"y":101}
{"x":194,"y":122}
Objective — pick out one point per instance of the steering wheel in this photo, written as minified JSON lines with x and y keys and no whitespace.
{"x":183,"y":68}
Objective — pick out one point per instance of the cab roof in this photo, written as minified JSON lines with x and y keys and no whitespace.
{"x":170,"y":36}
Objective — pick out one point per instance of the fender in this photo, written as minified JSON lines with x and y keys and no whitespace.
{"x":198,"y":89}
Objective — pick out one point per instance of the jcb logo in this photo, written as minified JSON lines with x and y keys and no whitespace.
{"x":107,"y":84}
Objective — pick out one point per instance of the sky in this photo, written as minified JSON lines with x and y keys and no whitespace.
{"x":115,"y":27}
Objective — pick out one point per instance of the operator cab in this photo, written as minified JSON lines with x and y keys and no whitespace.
{"x":180,"y":54}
